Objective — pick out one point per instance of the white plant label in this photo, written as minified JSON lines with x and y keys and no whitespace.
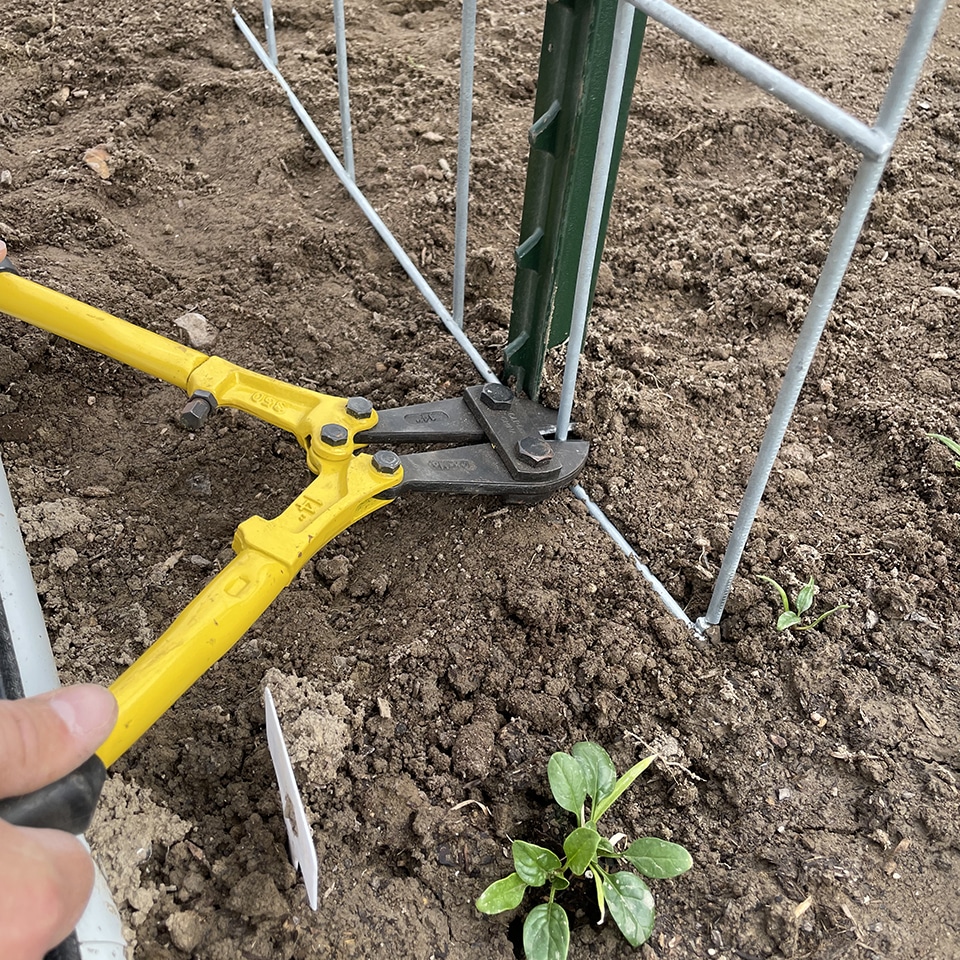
{"x":302,"y":851}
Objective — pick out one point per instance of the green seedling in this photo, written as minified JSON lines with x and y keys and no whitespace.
{"x":792,"y":617}
{"x":586,"y":772}
{"x":950,"y":444}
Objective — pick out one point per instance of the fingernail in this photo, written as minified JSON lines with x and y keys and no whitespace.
{"x":86,"y":709}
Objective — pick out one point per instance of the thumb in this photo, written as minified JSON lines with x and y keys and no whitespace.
{"x":45,"y":881}
{"x":45,"y":737}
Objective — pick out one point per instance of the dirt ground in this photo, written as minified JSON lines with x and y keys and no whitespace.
{"x":439,"y":651}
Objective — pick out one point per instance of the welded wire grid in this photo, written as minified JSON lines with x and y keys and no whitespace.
{"x":874,"y":143}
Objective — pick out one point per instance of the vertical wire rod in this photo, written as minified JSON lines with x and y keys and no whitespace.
{"x":606,"y":141}
{"x":343,"y":87}
{"x":356,"y":194}
{"x":892,"y":110}
{"x":269,"y":31}
{"x":468,"y":43}
{"x":870,"y":142}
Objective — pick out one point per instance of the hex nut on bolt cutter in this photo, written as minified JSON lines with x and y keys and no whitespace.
{"x":197,"y":410}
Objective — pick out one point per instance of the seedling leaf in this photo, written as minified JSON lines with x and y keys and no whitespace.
{"x":599,"y":773}
{"x":622,"y":784}
{"x":787,"y":620}
{"x":658,"y":858}
{"x":631,"y":906}
{"x":606,"y":849}
{"x":784,"y":600}
{"x":546,"y":933}
{"x":805,"y":596}
{"x":567,"y":783}
{"x":502,"y":895}
{"x":949,"y":443}
{"x":558,"y":882}
{"x":580,"y":848}
{"x":823,"y":616}
{"x":532,"y":863}
{"x":598,"y":876}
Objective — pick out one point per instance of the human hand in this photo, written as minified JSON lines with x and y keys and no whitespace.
{"x":45,"y":875}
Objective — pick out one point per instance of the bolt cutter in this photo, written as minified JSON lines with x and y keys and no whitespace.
{"x":503,"y":447}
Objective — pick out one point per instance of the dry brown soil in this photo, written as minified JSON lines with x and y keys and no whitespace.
{"x":439,"y":651}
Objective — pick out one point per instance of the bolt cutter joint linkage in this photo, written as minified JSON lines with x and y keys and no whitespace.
{"x":505,"y":447}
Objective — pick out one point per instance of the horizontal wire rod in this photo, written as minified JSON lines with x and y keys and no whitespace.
{"x":872,"y":143}
{"x":483,"y":368}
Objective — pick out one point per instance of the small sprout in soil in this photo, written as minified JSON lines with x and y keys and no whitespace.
{"x":586,"y":772}
{"x":792,"y":618}
{"x":950,"y":444}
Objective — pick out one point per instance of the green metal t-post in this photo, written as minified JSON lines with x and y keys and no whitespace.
{"x":574,"y":59}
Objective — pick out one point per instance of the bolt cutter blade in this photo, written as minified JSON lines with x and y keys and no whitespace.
{"x":480,"y":470}
{"x":509,"y":454}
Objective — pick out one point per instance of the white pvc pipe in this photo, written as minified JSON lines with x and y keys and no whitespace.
{"x":99,"y":931}
{"x":18,"y":594}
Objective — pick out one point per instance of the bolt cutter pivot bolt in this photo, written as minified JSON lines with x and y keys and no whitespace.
{"x":386,"y":461}
{"x":360,"y":408}
{"x":333,"y":434}
{"x":534,"y":451}
{"x":197,"y":409}
{"x":496,"y":396}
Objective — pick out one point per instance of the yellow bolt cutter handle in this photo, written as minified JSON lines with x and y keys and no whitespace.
{"x":506,"y":455}
{"x":100,"y":331}
{"x":270,"y":553}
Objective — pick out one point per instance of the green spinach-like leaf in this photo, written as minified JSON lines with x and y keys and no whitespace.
{"x":658,"y":858}
{"x":622,"y":785}
{"x":787,"y":620}
{"x":502,"y":895}
{"x":580,"y":848}
{"x":805,"y":596}
{"x":533,"y":863}
{"x":546,"y":933}
{"x":631,"y":906}
{"x":567,"y":782}
{"x":599,"y":773}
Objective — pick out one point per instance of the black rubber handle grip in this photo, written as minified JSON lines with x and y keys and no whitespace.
{"x":66,"y":804}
